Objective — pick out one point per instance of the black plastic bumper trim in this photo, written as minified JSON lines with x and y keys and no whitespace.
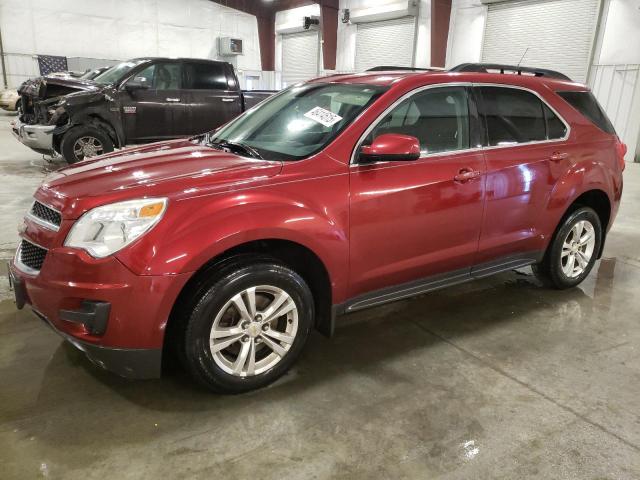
{"x":133,"y":363}
{"x":93,"y":315}
{"x":19,"y":289}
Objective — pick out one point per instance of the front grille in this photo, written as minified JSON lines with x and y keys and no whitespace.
{"x":48,"y":214}
{"x":32,"y":255}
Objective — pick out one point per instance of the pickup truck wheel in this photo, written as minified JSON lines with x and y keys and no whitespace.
{"x":573,"y":250}
{"x":247,"y":326}
{"x":84,"y":142}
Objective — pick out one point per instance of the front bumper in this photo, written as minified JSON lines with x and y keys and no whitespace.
{"x":36,"y":137}
{"x":133,"y":363}
{"x":115,"y":317}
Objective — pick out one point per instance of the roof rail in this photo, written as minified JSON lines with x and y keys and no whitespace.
{"x":383,"y":68}
{"x":485,"y":67}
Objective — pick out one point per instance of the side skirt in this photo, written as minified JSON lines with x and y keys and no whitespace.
{"x":434,"y":282}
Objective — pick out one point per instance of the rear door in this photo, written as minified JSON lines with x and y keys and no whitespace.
{"x":158,"y":112}
{"x":525,"y":152}
{"x":213,"y":96}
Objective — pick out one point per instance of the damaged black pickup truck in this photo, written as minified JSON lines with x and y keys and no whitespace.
{"x":137,"y":101}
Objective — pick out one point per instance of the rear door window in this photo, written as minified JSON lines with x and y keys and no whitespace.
{"x":512,"y":116}
{"x":556,"y":129}
{"x":588,"y":106}
{"x":206,"y":76}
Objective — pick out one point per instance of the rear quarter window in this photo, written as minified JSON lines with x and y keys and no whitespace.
{"x":588,"y":106}
{"x":206,"y":76}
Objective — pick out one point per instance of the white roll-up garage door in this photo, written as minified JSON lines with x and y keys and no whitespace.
{"x":299,"y":57}
{"x":558,"y":33}
{"x":387,"y":42}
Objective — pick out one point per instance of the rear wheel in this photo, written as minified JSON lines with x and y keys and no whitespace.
{"x":84,"y":142}
{"x":573,"y":250}
{"x":246,"y":326}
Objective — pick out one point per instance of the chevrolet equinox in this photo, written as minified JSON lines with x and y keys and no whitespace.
{"x":335,"y":195}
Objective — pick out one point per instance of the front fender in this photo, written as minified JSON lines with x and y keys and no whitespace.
{"x":99,"y":109}
{"x":196,"y":230}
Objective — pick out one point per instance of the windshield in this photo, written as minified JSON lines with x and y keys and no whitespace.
{"x":298,"y":122}
{"x":117,"y":72}
{"x":92,"y":74}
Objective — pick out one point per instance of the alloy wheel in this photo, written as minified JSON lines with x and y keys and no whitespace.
{"x":87,"y":146}
{"x":253,"y":331}
{"x":577,"y":248}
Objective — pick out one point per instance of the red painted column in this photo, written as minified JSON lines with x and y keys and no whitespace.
{"x":440,"y":14}
{"x":329,"y":23}
{"x":267,"y":39}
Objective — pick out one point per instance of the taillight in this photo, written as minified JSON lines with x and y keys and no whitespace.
{"x":621,"y":151}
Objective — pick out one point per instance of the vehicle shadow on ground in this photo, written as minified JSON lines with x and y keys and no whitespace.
{"x":363,"y":346}
{"x":363,"y":341}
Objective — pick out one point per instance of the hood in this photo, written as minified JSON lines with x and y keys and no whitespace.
{"x":48,"y":87}
{"x":162,"y":169}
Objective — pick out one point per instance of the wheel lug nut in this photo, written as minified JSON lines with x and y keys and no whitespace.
{"x":244,"y":325}
{"x":265,"y":327}
{"x":258,"y":318}
{"x":245,"y":338}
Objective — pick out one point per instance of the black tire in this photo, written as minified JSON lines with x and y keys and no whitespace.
{"x":68,"y":145}
{"x":199,"y":314}
{"x":550,"y":271}
{"x":19,"y":106}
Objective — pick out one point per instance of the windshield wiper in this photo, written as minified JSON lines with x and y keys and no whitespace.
{"x":231,"y":146}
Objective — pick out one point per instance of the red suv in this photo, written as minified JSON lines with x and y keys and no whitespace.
{"x":335,"y":195}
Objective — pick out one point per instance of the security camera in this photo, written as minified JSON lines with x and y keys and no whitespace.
{"x":308,"y":21}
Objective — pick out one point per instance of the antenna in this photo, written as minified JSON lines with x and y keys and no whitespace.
{"x":525,"y":52}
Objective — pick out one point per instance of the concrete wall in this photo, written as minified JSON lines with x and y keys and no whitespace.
{"x":466,"y":31}
{"x":121,"y":29}
{"x":621,"y":36}
{"x":615,"y":75}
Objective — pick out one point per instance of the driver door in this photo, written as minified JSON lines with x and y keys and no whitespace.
{"x":413,"y":219}
{"x":157,"y":112}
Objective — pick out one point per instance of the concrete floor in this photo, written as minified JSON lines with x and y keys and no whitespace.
{"x":499,"y":379}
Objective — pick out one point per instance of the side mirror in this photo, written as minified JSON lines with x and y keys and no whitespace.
{"x":390,"y":147}
{"x":136,"y":83}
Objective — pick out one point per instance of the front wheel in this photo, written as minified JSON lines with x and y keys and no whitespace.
{"x":247,"y":326}
{"x":83,"y":142}
{"x":573,"y":250}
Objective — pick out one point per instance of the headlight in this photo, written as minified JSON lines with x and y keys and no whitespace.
{"x":109,"y":228}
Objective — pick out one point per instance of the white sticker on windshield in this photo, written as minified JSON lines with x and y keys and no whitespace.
{"x":325,"y":117}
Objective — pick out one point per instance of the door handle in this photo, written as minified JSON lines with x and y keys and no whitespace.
{"x":557,"y":156}
{"x":228,"y":99}
{"x":466,"y":174}
{"x":172,"y":99}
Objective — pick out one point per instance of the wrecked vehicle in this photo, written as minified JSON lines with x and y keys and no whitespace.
{"x":137,"y":101}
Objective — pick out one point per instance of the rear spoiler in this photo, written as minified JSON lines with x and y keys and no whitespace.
{"x":518,"y":70}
